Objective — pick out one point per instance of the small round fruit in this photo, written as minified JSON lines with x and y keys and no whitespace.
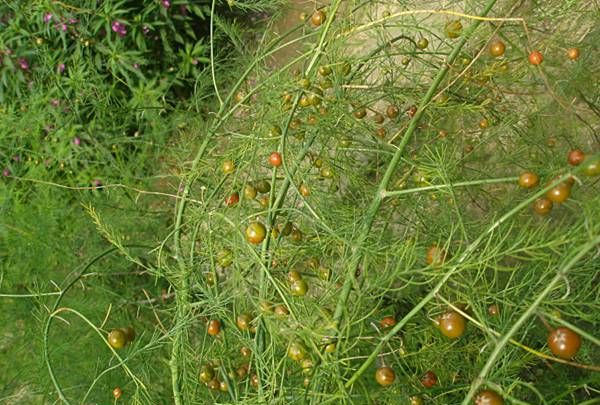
{"x":242,"y":372}
{"x":387,"y":322}
{"x":454,"y":29}
{"x":573,"y":53}
{"x":528,"y":180}
{"x":223,"y":386}
{"x":559,"y":193}
{"x":324,"y":273}
{"x":275,"y":159}
{"x":378,"y":118}
{"x":249,"y":192}
{"x":117,"y":339}
{"x":129,"y":333}
{"x":422,"y":43}
{"x":484,"y":123}
{"x":304,"y":101}
{"x":304,"y":83}
{"x":360,"y":113}
{"x":385,"y":376}
{"x":274,"y":131}
{"x":255,"y":233}
{"x":318,"y":18}
{"x":243,"y":321}
{"x":228,"y":166}
{"x":296,"y":235}
{"x":494,"y":310}
{"x":576,"y":157}
{"x":436,"y":256}
{"x":245,"y":351}
{"x":232,"y":199}
{"x":281,"y":311}
{"x":225,"y":258}
{"x":392,"y":111}
{"x":254,"y":380}
{"x":298,"y":288}
{"x":536,"y":58}
{"x":296,"y":351}
{"x":264,"y":201}
{"x":452,"y":324}
{"x":263,"y":186}
{"x":326,"y":172}
{"x":416,"y":400}
{"x":429,"y":379}
{"x":330,"y":348}
{"x":488,"y":397}
{"x":207,"y":373}
{"x":542,"y":206}
{"x":564,"y":343}
{"x":324,"y":70}
{"x":286,"y":228}
{"x":294,"y":275}
{"x":412,"y":110}
{"x":117,"y":392}
{"x":214,"y":327}
{"x":304,"y":190}
{"x":591,"y":167}
{"x":497,"y":48}
{"x":213,"y":384}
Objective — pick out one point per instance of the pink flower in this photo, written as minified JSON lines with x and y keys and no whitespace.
{"x":136,"y":65}
{"x":23,"y":64}
{"x":119,"y":28}
{"x":6,"y":172}
{"x":55,"y":102}
{"x":17,"y":158}
{"x":47,"y":18}
{"x":145,"y":29}
{"x":62,"y":27}
{"x":166,"y":3}
{"x":60,"y":68}
{"x":73,"y":20}
{"x":76,"y":141}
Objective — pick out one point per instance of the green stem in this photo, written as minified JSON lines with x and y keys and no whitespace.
{"x":434,"y":291}
{"x":381,"y":190}
{"x":444,"y":186}
{"x":506,"y":338}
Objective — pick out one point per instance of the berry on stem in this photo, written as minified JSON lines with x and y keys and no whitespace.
{"x":536,"y":58}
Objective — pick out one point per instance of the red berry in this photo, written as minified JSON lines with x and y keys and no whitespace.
{"x":275,"y":159}
{"x":536,"y":58}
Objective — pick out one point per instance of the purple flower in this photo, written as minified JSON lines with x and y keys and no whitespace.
{"x":16,"y":158}
{"x":76,"y":141}
{"x":166,"y":3}
{"x":145,"y":29}
{"x":61,"y":27}
{"x":60,"y":68}
{"x":6,"y":172}
{"x":47,"y":18}
{"x":97,"y":183}
{"x":119,"y":28}
{"x":73,"y":20}
{"x":23,"y":64}
{"x":136,"y":65}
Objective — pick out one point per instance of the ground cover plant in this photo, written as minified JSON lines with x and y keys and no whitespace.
{"x":391,"y":202}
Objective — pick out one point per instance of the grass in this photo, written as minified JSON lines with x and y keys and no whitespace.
{"x":157,"y":248}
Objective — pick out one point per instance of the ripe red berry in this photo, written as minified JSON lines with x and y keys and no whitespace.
{"x":576,"y":157}
{"x":232,"y":199}
{"x":275,"y":159}
{"x":429,"y":379}
{"x":536,"y":58}
{"x":564,"y":343}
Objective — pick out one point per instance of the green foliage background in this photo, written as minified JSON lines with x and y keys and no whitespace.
{"x":157,"y":134}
